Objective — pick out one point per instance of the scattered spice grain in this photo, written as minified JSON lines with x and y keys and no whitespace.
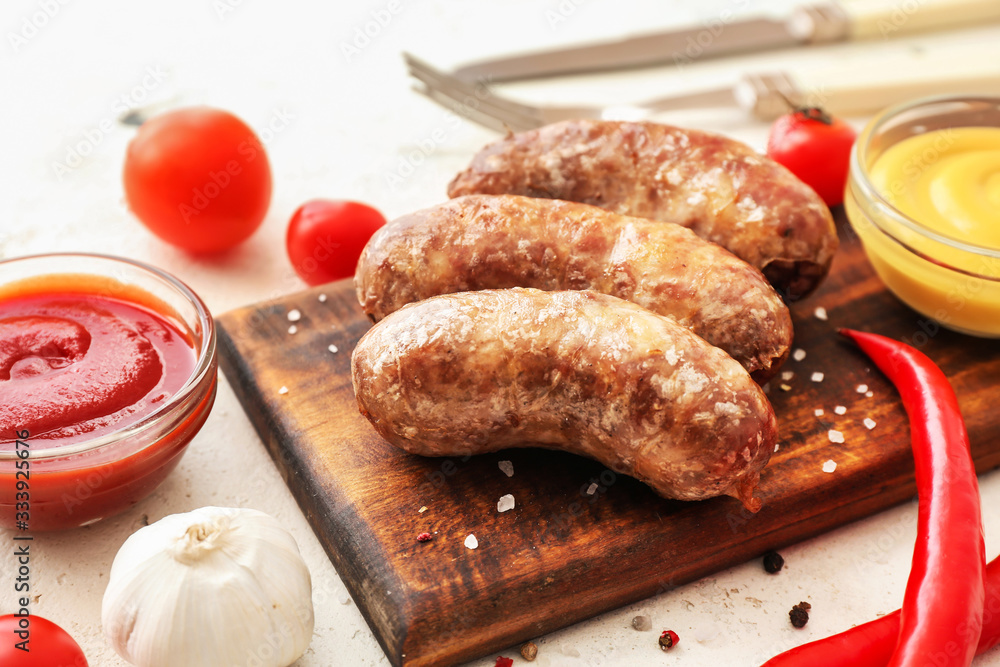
{"x":799,"y":615}
{"x":773,"y":562}
{"x":668,"y":640}
{"x":529,"y":651}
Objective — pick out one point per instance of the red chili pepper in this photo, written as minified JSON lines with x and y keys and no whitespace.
{"x":872,"y":644}
{"x":941,"y":619}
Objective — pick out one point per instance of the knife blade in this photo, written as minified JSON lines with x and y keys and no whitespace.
{"x":810,"y":24}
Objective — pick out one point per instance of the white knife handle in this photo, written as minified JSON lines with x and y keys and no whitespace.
{"x":891,"y":18}
{"x":864,"y":88}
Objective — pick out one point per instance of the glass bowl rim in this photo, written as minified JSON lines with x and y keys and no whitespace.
{"x":859,"y":175}
{"x":203,"y":364}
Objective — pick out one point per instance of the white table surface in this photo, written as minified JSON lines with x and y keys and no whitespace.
{"x":338,"y":125}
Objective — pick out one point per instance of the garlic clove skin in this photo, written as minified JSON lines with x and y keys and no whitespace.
{"x":210,"y":588}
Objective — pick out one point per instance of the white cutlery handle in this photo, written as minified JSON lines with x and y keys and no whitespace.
{"x":892,"y":18}
{"x":853,"y":88}
{"x":862,"y":85}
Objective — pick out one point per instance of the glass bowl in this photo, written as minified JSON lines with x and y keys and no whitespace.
{"x":951,"y":280}
{"x":47,"y":486}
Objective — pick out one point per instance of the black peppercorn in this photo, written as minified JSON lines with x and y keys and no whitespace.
{"x":799,"y":614}
{"x":773,"y":562}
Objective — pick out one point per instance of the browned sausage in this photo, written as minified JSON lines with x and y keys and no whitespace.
{"x":488,"y":242}
{"x":720,"y":188}
{"x":579,"y":371}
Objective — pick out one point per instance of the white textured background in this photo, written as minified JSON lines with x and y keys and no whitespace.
{"x":337,"y":126}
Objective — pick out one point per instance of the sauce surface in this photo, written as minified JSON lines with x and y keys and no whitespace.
{"x":74,"y":366}
{"x":948,"y":180}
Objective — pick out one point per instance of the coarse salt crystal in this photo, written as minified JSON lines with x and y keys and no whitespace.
{"x":776,"y":447}
{"x":706,"y":633}
{"x":642,"y":623}
{"x":785,"y":387}
{"x":294,"y":315}
{"x":820,"y":313}
{"x":830,"y":466}
{"x":799,"y":354}
{"x":861,"y":388}
{"x":322,"y":298}
{"x":283,"y":390}
{"x":507,"y":467}
{"x":835,"y":436}
{"x":816,"y":377}
{"x":840,"y":410}
{"x":471,"y":542}
{"x":869,"y":423}
{"x":787,"y":375}
{"x":505,"y":503}
{"x":333,"y":348}
{"x":818,"y":412}
{"x":293,"y":329}
{"x":869,"y":393}
{"x":592,"y":489}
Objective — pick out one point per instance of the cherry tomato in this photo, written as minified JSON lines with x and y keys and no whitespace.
{"x":816,"y":148}
{"x":48,"y":645}
{"x":325,"y":238}
{"x":198,"y":178}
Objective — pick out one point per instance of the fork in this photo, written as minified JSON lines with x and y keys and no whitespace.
{"x":478,"y":102}
{"x":767,"y":95}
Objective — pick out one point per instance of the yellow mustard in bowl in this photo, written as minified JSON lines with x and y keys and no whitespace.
{"x":924,"y":197}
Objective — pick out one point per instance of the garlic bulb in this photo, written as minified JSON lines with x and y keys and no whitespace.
{"x":215,"y":587}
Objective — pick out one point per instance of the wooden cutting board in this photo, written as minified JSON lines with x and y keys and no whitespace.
{"x":562,"y":555}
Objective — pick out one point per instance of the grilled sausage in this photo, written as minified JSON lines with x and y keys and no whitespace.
{"x":720,"y":188}
{"x":488,"y":242}
{"x":579,"y":371}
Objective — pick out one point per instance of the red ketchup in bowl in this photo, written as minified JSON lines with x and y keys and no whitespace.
{"x":77,"y":366}
{"x":102,"y":386}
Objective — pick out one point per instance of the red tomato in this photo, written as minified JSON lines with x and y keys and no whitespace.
{"x":816,"y":148}
{"x":198,"y":178}
{"x":325,"y":238}
{"x":48,"y":645}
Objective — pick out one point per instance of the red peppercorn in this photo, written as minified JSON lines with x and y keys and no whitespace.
{"x":504,"y":662}
{"x":668,"y":639}
{"x":424,"y":537}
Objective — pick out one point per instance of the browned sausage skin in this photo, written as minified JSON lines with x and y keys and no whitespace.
{"x":489,"y":242}
{"x":584,"y":372}
{"x":720,"y":188}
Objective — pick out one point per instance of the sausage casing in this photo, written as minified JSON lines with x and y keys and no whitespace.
{"x":580,"y":371}
{"x":488,"y":242}
{"x":720,"y":188}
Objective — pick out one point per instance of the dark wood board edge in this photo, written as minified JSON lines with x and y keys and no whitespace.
{"x":352,"y":554}
{"x":430,"y":646}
